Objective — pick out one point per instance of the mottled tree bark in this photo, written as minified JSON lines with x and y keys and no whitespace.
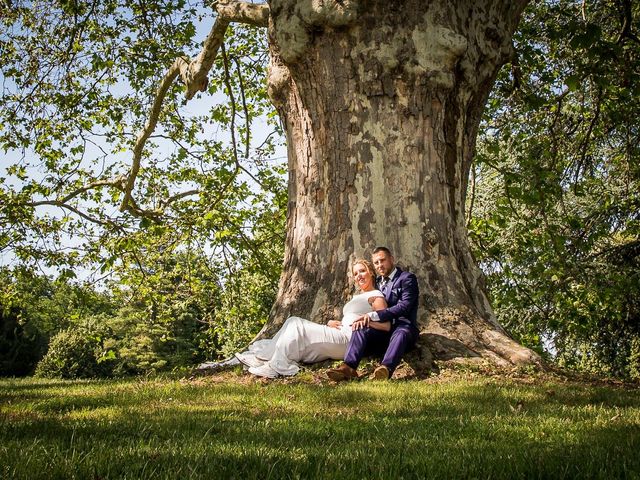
{"x":381,"y":102}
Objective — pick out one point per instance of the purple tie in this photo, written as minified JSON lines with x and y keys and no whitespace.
{"x":384,"y":283}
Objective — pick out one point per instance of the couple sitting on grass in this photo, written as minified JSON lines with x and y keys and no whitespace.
{"x":379,"y":320}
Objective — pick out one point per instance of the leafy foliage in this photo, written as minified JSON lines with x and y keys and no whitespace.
{"x":34,"y":308}
{"x":74,"y":353}
{"x":168,"y":313}
{"x":206,"y":231}
{"x":21,"y":345}
{"x":78,"y":79}
{"x":555,"y":207}
{"x":191,"y":271}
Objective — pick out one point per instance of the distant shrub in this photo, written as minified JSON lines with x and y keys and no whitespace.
{"x":73,"y":353}
{"x":22,"y":345}
{"x":243,"y":310}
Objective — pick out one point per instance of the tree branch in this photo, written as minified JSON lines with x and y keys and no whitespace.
{"x":178,"y":196}
{"x":194,"y":75}
{"x":247,"y":115}
{"x":242,"y":12}
{"x":148,"y":129}
{"x":627,"y":22}
{"x":117,"y":183}
{"x":66,"y":206}
{"x":587,"y":139}
{"x":227,"y":83}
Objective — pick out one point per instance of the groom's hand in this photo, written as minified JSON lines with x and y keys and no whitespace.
{"x":334,"y":324}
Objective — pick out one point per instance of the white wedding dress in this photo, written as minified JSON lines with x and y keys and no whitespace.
{"x":300,"y":340}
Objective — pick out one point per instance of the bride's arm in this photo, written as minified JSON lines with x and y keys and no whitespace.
{"x":377,"y":303}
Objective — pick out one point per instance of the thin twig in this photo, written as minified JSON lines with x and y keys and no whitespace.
{"x":247,"y":117}
{"x":66,"y":206}
{"x":227,"y":82}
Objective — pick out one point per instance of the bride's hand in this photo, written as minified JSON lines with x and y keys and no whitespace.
{"x":334,"y":324}
{"x":360,"y":323}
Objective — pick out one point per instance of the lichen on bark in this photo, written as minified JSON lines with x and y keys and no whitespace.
{"x":296,"y":20}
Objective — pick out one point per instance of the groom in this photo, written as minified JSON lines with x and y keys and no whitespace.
{"x":397,"y":329}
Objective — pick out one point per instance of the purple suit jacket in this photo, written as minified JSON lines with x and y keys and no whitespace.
{"x":402,"y":300}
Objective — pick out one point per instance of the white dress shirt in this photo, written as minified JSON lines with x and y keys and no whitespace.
{"x":374,"y":315}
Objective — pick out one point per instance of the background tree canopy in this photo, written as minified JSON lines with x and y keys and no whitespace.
{"x":190,"y":270}
{"x":555,"y":204}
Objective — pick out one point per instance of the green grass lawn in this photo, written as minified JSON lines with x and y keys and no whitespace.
{"x":232,"y":426}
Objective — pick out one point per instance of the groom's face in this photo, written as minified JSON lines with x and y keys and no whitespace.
{"x":383,"y":263}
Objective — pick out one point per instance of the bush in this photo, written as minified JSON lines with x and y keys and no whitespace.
{"x":243,"y":310}
{"x":73,"y":354}
{"x":21,"y":344}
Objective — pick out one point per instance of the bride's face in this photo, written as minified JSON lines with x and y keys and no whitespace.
{"x":362,"y":277}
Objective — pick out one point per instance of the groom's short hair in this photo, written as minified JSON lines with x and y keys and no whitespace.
{"x":382,"y":249}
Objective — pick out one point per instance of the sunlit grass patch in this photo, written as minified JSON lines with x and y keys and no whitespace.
{"x":232,"y":426}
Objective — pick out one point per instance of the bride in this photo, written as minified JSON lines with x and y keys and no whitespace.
{"x":300,"y":340}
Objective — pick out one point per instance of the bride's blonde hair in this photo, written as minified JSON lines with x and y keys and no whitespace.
{"x":367,"y":264}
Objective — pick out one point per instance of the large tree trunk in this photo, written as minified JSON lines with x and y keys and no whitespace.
{"x":381,"y":102}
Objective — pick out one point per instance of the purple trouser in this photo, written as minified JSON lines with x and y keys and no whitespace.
{"x":390,"y":345}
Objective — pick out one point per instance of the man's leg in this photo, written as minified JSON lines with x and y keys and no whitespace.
{"x":364,"y":342}
{"x":403,"y":337}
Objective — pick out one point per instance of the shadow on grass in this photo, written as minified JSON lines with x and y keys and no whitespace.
{"x":361,"y":430}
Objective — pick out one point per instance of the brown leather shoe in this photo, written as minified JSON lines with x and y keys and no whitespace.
{"x":341,"y":373}
{"x":381,"y":373}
